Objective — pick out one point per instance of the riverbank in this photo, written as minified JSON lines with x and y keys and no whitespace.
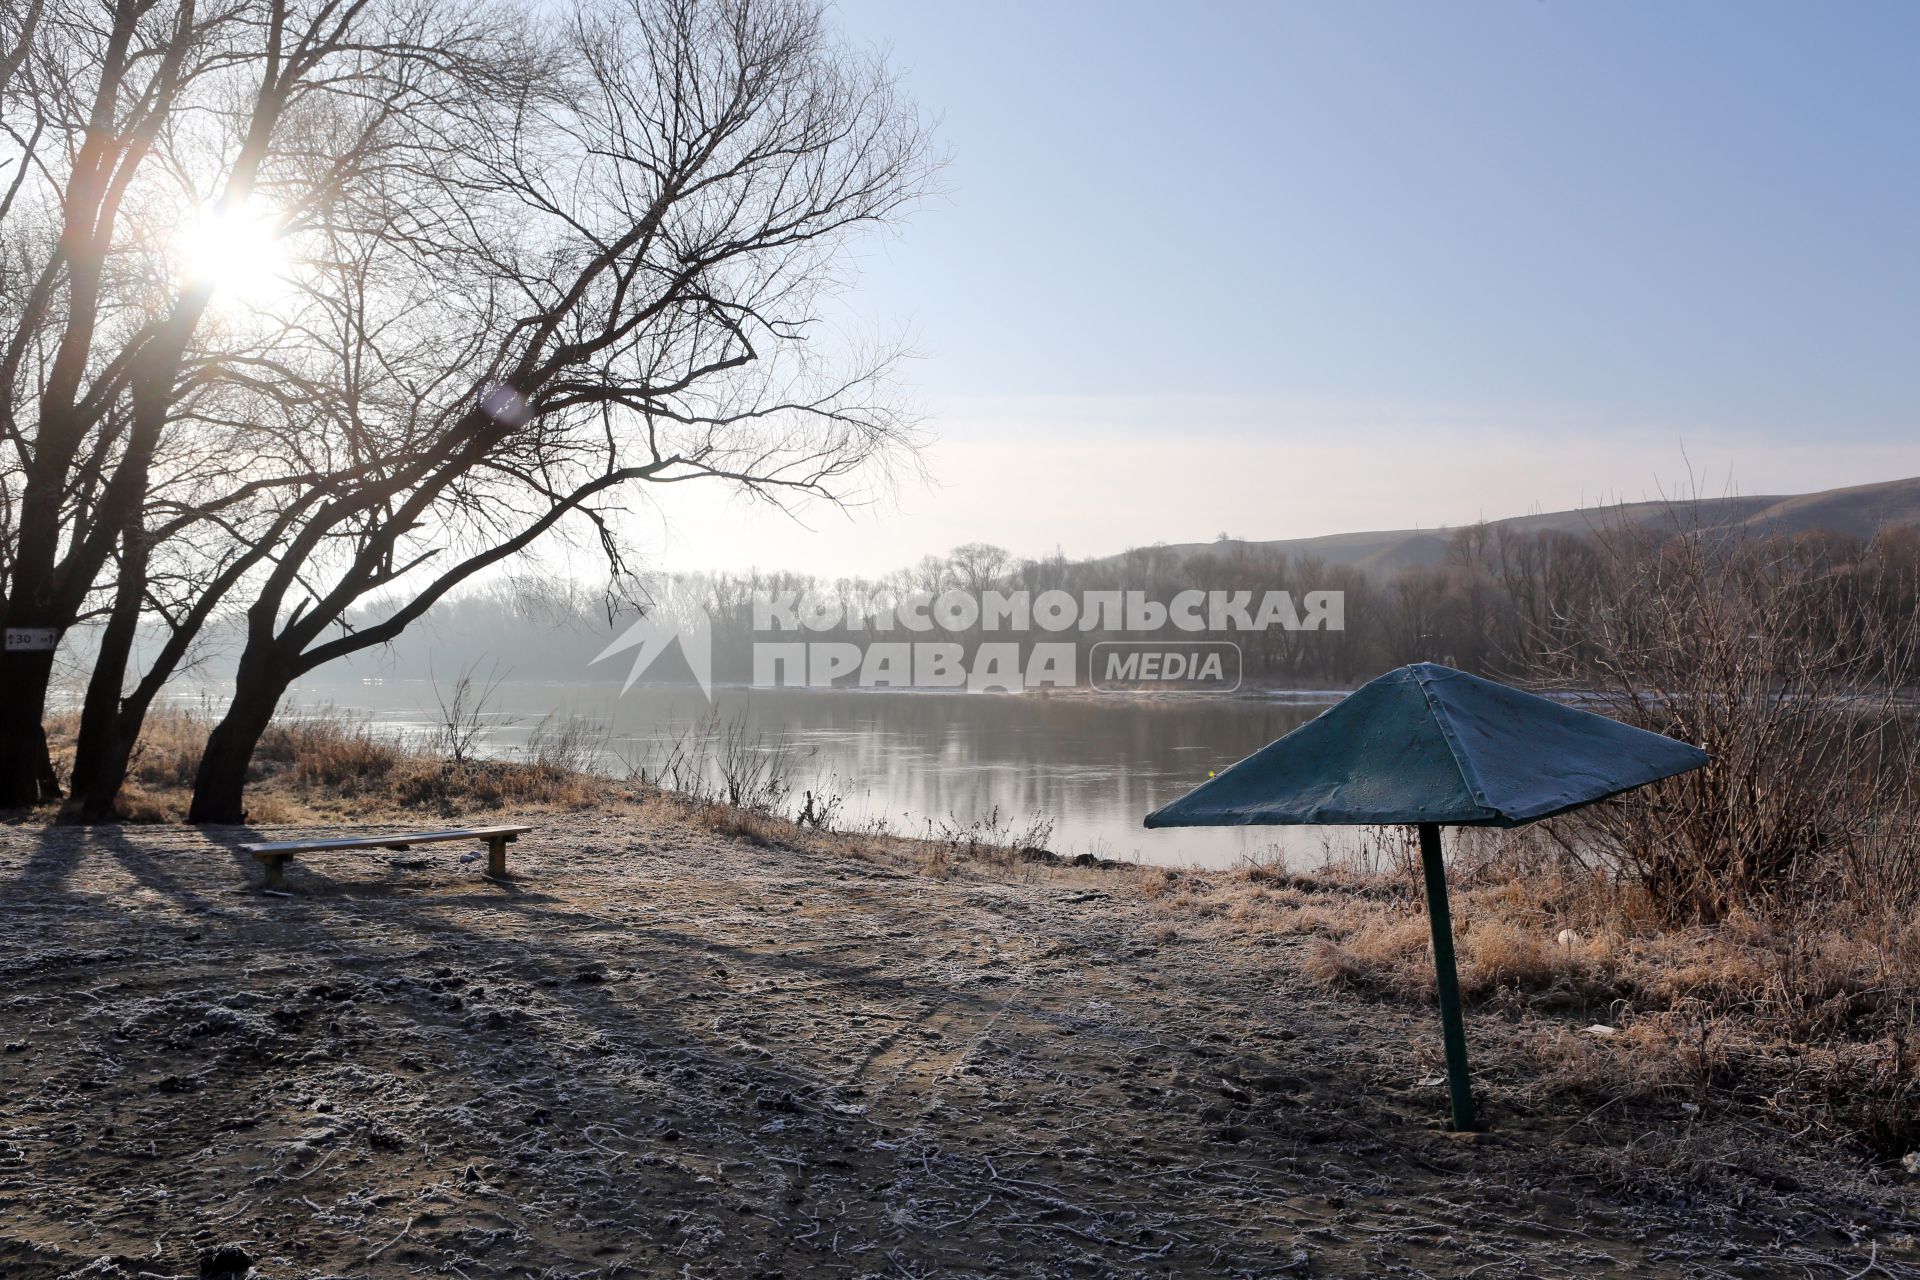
{"x":685,"y":1039}
{"x":1091,"y":767}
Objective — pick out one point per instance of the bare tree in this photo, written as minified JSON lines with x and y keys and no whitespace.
{"x":625,"y":290}
{"x":130,"y":125}
{"x":87,"y":94}
{"x":980,"y":565}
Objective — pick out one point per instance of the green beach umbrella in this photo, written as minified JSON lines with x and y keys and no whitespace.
{"x":1429,"y":746}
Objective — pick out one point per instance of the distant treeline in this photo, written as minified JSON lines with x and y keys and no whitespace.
{"x":1502,"y":602}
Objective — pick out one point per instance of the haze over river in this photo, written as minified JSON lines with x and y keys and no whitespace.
{"x":1092,"y":765}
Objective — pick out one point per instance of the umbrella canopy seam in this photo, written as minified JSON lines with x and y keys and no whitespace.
{"x":1461,"y":760}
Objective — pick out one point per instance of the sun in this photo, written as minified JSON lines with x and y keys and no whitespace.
{"x":238,"y":254}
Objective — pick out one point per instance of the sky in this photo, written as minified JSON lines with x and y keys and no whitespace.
{"x":1281,"y":269}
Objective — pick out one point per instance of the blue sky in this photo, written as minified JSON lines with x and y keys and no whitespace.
{"x":1291,"y":268}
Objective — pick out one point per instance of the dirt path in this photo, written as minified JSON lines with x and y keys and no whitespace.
{"x":662,"y":1052}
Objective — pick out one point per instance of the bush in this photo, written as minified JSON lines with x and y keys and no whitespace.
{"x":1787,"y":668}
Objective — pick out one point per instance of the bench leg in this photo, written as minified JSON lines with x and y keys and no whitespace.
{"x":275,"y":868}
{"x":497,"y":858}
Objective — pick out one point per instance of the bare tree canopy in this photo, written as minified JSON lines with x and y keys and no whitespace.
{"x":304,"y":303}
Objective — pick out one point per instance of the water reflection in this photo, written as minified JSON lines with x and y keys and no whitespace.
{"x":1093,"y":765}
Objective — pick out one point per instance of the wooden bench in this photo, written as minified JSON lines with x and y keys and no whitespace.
{"x":274,"y":857}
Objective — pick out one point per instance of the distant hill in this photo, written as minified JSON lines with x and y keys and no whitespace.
{"x":1860,"y":510}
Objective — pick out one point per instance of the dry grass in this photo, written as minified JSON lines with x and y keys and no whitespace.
{"x":325,"y":752}
{"x":1811,"y":1020}
{"x":321,"y":767}
{"x":994,"y":841}
{"x":755,"y":826}
{"x":1811,"y":1023}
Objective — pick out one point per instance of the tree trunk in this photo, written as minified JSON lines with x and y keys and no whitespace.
{"x":101,"y":770}
{"x":110,"y":720}
{"x":219,"y":789}
{"x":26,"y":767}
{"x":26,"y":770}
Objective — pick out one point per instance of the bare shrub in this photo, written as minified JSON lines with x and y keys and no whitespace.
{"x":570,"y":744}
{"x":1788,"y":669}
{"x":820,"y":809}
{"x":465,"y":715}
{"x":718,"y":766}
{"x":721,"y":761}
{"x":753,"y":771}
{"x":1375,"y":851}
{"x":992,"y":838}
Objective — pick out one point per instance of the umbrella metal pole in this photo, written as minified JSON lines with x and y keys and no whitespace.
{"x":1452,"y":1029}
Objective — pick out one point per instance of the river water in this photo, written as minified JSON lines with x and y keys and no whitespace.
{"x":1092,"y":766}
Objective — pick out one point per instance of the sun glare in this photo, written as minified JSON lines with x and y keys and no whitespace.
{"x":237,"y":253}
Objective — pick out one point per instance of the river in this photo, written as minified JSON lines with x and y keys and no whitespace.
{"x":1091,"y":766}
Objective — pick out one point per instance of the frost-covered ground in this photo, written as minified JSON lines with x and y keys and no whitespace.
{"x":662,"y":1051}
